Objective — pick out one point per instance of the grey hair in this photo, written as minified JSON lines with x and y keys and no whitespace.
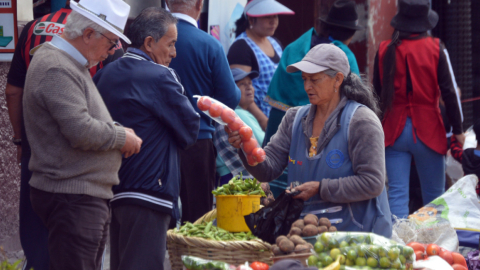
{"x":181,"y":5}
{"x":357,"y":89}
{"x":77,"y":23}
{"x":153,"y":22}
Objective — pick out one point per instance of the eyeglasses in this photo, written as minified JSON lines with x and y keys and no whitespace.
{"x":114,"y":43}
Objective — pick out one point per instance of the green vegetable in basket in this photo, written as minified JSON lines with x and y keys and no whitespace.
{"x":208,"y":231}
{"x":239,"y":186}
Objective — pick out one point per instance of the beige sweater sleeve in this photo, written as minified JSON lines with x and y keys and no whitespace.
{"x":66,"y":102}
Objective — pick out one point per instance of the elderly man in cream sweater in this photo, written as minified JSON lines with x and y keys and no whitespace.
{"x":76,"y":146}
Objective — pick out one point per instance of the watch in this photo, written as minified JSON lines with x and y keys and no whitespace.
{"x":17,"y":141}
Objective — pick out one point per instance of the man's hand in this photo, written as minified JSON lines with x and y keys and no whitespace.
{"x":132,"y":143}
{"x":307,"y":190}
{"x":460,"y":138}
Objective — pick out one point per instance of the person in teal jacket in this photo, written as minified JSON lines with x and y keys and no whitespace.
{"x":286,"y":89}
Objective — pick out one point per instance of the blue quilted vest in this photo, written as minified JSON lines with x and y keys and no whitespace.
{"x":334,"y":162}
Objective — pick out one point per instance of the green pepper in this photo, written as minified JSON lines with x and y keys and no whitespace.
{"x":208,"y":227}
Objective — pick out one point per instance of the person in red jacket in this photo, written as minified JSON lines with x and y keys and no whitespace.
{"x":409,"y":70}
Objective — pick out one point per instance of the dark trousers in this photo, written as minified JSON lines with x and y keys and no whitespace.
{"x":33,"y":233}
{"x":77,"y":228}
{"x":198,"y":178}
{"x":138,"y":238}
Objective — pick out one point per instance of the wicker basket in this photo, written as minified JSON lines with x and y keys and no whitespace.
{"x":233,"y":252}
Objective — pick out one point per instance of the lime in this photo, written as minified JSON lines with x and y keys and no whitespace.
{"x":385,"y":262}
{"x":318,"y":247}
{"x":368,"y":239}
{"x":372,"y":251}
{"x":349,"y":262}
{"x":312,"y":260}
{"x":402,"y":259}
{"x":360,"y":239}
{"x":351,"y":254}
{"x":322,"y":255}
{"x":396,"y":264}
{"x":353,"y":244}
{"x":407,"y":252}
{"x":382,"y":252}
{"x":343,"y":244}
{"x":372,"y":262}
{"x":342,"y":267}
{"x":332,"y":243}
{"x":360,"y":261}
{"x":361,"y":250}
{"x":334,"y":253}
{"x":342,"y":259}
{"x":393,"y":253}
{"x":327,"y":260}
{"x":319,"y":265}
{"x":325,"y":237}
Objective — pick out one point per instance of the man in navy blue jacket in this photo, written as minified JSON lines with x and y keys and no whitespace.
{"x":143,"y":93}
{"x":204,"y":69}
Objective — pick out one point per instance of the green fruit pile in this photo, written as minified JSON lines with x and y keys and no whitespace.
{"x":360,"y":251}
{"x":239,"y":186}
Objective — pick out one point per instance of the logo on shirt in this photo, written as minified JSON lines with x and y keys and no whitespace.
{"x":335,"y":159}
{"x":48,"y":29}
{"x":294,"y":161}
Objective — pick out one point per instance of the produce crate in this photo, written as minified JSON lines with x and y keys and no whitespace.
{"x":232,"y":252}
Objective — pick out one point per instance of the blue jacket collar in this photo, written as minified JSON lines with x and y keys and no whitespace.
{"x":139,"y":53}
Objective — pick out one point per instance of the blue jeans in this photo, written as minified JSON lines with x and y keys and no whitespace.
{"x":430,"y":168}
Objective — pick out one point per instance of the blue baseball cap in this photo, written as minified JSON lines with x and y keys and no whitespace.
{"x":240,"y":74}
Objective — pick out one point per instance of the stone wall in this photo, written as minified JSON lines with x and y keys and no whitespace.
{"x":9,"y":179}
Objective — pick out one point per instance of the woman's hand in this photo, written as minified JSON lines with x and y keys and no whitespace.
{"x":307,"y":190}
{"x":233,"y":137}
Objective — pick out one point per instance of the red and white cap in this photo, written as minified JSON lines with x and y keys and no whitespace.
{"x":261,"y":8}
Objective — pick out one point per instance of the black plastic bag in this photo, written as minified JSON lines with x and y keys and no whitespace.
{"x":276,"y":219}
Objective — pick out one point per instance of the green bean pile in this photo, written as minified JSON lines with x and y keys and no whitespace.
{"x":238,"y":186}
{"x":208,"y":231}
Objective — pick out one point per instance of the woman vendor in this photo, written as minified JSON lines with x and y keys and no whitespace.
{"x":332,"y":146}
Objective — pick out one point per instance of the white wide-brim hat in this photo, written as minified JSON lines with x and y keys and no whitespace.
{"x":261,"y":8}
{"x":110,"y":14}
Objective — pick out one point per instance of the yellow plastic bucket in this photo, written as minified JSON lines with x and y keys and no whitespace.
{"x":232,"y":208}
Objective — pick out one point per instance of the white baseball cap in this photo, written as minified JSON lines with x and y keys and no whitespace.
{"x":110,"y":14}
{"x":261,"y":8}
{"x":320,"y":58}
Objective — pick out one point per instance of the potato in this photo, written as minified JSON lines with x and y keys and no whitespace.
{"x":322,"y":229}
{"x":332,"y":229}
{"x":310,"y":219}
{"x":295,"y":231}
{"x":299,"y":224}
{"x":324,"y":222}
{"x":310,"y":230}
{"x":276,"y":251}
{"x":280,"y":238}
{"x":302,"y":249}
{"x":297,"y":240}
{"x":286,"y":246}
